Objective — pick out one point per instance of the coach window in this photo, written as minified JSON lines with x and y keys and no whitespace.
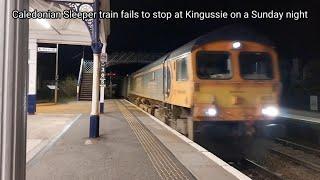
{"x":153,"y":76}
{"x":181,"y":70}
{"x":213,"y":65}
{"x":132,"y":84}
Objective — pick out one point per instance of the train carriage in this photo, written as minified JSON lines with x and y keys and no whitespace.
{"x":229,"y":77}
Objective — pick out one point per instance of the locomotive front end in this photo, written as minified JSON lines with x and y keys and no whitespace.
{"x":236,"y":83}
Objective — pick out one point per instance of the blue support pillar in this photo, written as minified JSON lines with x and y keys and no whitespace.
{"x":32,"y":74}
{"x":32,"y":104}
{"x":94,"y":126}
{"x":96,"y":48}
{"x":93,"y":26}
{"x":101,"y":107}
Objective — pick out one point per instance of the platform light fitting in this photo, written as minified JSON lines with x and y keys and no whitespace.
{"x":236,"y":45}
{"x":85,"y":8}
{"x":271,"y":111}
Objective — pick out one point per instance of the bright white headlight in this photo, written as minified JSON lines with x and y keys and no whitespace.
{"x":211,"y":112}
{"x":270,"y":111}
{"x":236,"y":45}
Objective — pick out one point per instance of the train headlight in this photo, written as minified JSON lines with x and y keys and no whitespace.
{"x":236,"y":45}
{"x":271,"y":111}
{"x":211,"y":112}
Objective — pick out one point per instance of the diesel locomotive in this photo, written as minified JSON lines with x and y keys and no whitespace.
{"x":227,"y":78}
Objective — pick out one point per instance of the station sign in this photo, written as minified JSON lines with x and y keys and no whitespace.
{"x":52,"y":87}
{"x":74,"y":1}
{"x":47,"y":50}
{"x":102,"y":75}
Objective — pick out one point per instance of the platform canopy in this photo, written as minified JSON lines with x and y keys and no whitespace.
{"x":64,"y":31}
{"x":120,"y":58}
{"x":132,"y":61}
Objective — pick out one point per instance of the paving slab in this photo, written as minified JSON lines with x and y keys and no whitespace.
{"x":117,"y":154}
{"x":132,"y":145}
{"x":201,"y":163}
{"x":42,"y":128}
{"x":312,"y":117}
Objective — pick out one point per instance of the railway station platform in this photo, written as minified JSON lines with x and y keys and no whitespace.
{"x":132,"y":145}
{"x":312,"y":117}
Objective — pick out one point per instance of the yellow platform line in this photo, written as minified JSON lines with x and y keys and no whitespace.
{"x":161,"y":161}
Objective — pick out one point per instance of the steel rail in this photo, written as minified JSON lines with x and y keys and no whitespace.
{"x":304,"y":163}
{"x":265,"y":171}
{"x":298,"y":146}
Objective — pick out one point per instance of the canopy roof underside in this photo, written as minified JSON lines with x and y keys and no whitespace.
{"x":64,"y":31}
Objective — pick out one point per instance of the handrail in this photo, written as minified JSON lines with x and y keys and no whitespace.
{"x":79,"y":79}
{"x":80,"y":72}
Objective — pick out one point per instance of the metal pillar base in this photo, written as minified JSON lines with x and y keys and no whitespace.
{"x":32,"y":104}
{"x":94,"y":126}
{"x":101,"y":107}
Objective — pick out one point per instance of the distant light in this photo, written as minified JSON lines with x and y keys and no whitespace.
{"x":236,"y":45}
{"x":44,"y":23}
{"x":211,"y":112}
{"x":270,"y":111}
{"x":270,"y":125}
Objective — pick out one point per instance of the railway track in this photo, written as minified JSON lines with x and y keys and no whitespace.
{"x":261,"y":170}
{"x":296,"y":157}
{"x":298,"y":146}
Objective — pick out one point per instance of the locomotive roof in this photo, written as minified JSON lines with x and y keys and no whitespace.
{"x":155,"y":63}
{"x":232,"y":33}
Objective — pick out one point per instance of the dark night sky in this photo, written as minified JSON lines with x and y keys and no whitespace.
{"x":292,"y":38}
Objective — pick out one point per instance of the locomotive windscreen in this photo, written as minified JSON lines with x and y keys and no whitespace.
{"x":255,"y":66}
{"x":213,"y":65}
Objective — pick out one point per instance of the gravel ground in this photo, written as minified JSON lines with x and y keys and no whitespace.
{"x":299,"y":154}
{"x":279,"y":165}
{"x":305,"y":143}
{"x":255,"y":174}
{"x":288,"y":169}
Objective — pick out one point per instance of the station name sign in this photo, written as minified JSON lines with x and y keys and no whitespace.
{"x":47,"y":50}
{"x":103,"y":57}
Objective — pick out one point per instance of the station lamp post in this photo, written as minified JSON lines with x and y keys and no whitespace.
{"x":93,"y":26}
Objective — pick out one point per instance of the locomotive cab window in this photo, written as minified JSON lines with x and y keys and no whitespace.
{"x":213,"y":65}
{"x":181,"y":70}
{"x":255,"y":66}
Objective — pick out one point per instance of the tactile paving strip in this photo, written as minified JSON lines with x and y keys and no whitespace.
{"x":165,"y":165}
